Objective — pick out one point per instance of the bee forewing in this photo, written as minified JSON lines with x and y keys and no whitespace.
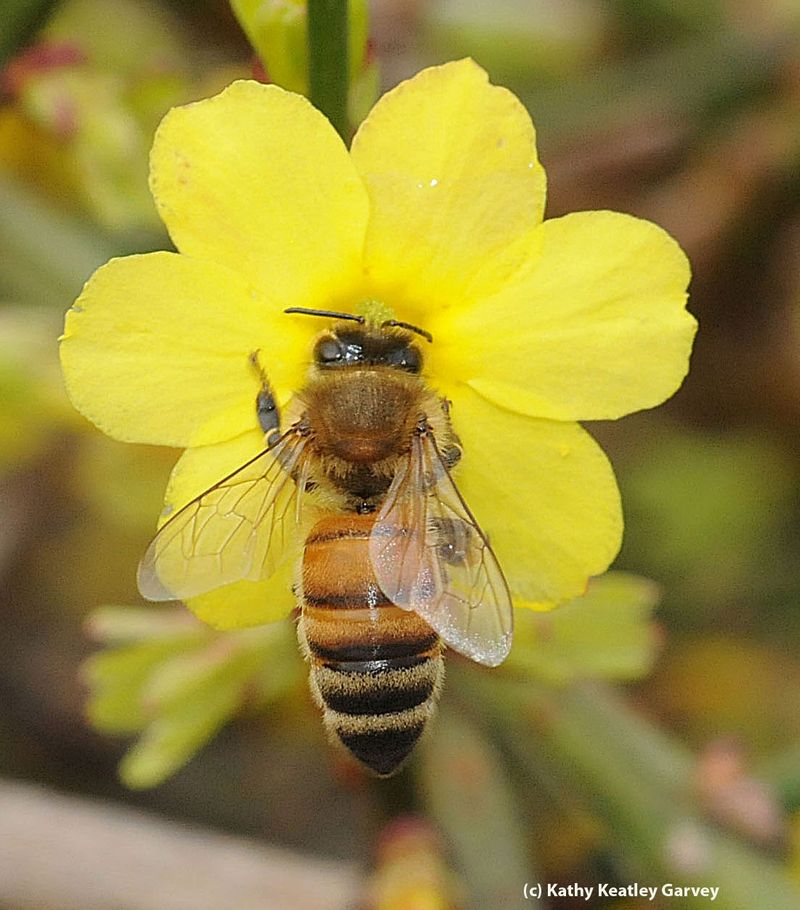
{"x":147,"y":579}
{"x":476,"y":631}
{"x":430,"y":556}
{"x":239,"y":528}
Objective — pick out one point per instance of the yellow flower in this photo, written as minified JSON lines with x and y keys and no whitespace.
{"x":437,"y":213}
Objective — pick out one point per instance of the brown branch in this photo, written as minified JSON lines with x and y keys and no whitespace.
{"x":67,"y":853}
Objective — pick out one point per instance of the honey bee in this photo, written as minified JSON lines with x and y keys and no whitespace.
{"x":393,"y":565}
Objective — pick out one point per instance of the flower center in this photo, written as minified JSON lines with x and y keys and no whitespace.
{"x":375,"y":312}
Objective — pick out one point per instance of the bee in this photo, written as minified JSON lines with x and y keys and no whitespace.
{"x":393,"y":564}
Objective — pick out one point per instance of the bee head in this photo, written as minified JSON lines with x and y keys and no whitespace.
{"x":387,"y":344}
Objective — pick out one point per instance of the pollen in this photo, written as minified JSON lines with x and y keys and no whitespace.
{"x":374,"y":311}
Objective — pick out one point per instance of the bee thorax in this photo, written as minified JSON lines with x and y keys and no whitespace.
{"x":363,"y":416}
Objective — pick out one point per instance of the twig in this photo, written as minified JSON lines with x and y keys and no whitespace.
{"x":68,"y":853}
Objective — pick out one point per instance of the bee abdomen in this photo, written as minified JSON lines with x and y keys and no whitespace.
{"x":376,"y":696}
{"x":378,"y":712}
{"x":376,"y":670}
{"x":381,"y":742}
{"x":374,"y":687}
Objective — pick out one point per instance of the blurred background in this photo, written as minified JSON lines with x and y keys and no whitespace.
{"x":648,"y":732}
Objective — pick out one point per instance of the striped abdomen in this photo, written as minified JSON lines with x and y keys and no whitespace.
{"x":376,"y":670}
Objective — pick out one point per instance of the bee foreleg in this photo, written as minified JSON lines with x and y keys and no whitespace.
{"x":269,"y":417}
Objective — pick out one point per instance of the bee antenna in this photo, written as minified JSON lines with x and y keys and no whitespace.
{"x":328,"y":314}
{"x":411,"y":328}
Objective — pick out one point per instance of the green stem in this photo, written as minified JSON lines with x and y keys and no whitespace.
{"x":328,"y":61}
{"x":467,"y":790}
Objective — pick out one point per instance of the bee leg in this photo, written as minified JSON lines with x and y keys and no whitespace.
{"x":451,"y":455}
{"x":453,"y":540}
{"x":269,"y":417}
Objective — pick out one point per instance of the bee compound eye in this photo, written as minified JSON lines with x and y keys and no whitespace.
{"x":329,"y":350}
{"x":406,"y":358}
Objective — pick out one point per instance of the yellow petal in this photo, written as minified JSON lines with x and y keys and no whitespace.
{"x":543,"y":492}
{"x":597,"y":327}
{"x":245,"y":603}
{"x":256,"y":179}
{"x":157,"y":349}
{"x":455,"y":188}
{"x":248,"y":603}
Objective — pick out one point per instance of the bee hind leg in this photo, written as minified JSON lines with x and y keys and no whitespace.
{"x":451,"y":455}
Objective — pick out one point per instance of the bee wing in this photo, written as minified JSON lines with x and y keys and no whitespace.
{"x":430,"y":556}
{"x":239,"y":528}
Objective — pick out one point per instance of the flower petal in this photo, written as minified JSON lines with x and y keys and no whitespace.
{"x":543,"y":492}
{"x":248,"y":603}
{"x":245,"y":603}
{"x":455,"y":187}
{"x":258,"y":180}
{"x":156,"y":349}
{"x":596,"y":328}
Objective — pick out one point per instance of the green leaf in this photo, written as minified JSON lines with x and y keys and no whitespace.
{"x":197,"y":699}
{"x":278,"y":32}
{"x":278,"y":29}
{"x":178,"y":682}
{"x":606,"y":633}
{"x":117,"y":680}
